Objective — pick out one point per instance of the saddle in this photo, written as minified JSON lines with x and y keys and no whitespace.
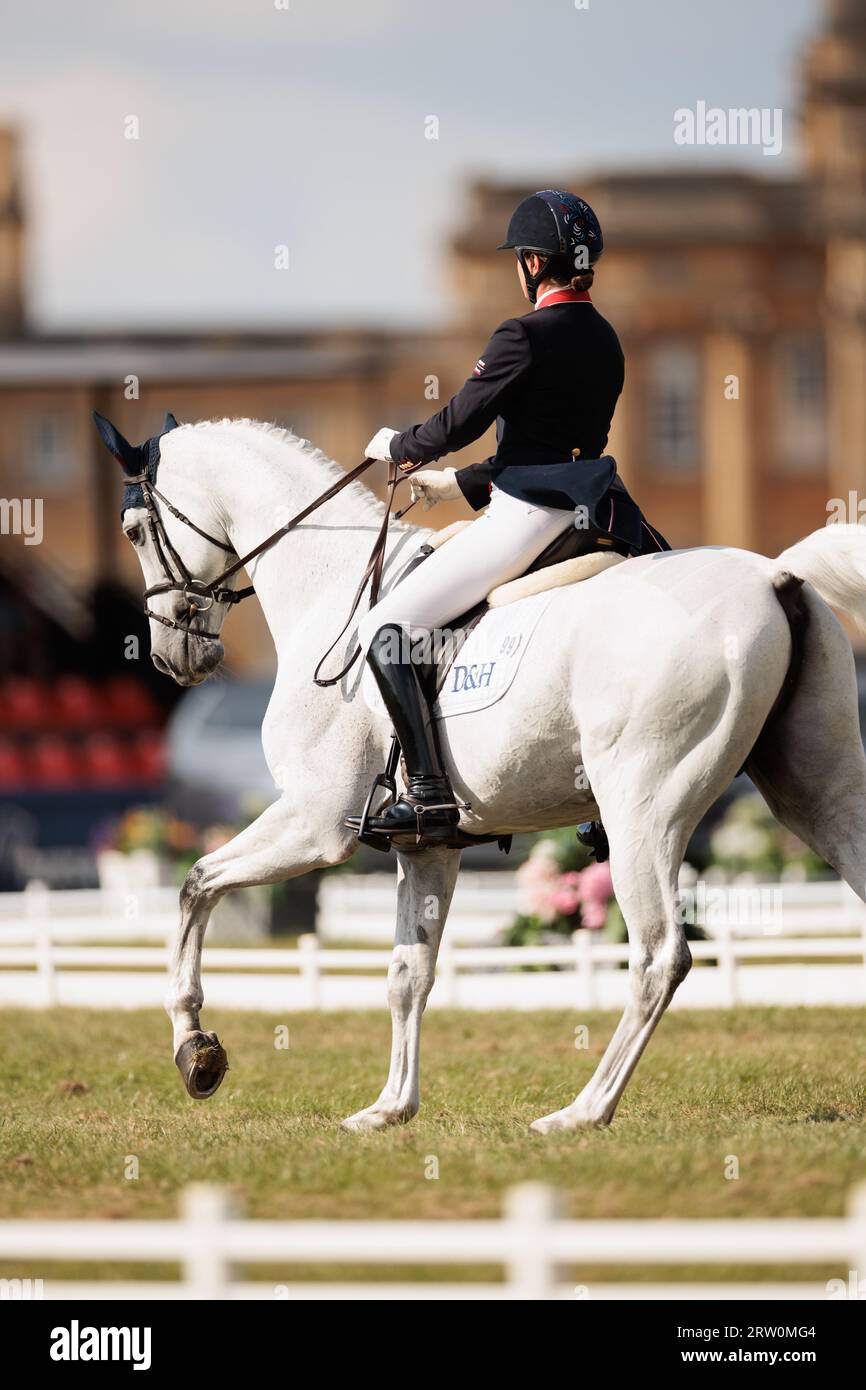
{"x":575,"y":555}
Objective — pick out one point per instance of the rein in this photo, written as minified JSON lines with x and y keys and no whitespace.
{"x":201,"y":594}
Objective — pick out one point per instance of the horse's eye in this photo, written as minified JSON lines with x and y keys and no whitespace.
{"x":134,"y":534}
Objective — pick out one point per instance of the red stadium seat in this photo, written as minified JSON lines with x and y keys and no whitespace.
{"x":53,"y":763}
{"x":13,"y":769}
{"x":25,"y":704}
{"x":129,"y":704}
{"x":148,"y":758}
{"x":78,"y":704}
{"x":106,"y":762}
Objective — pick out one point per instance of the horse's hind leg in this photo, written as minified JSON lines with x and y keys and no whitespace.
{"x":809,"y":763}
{"x":425,"y":886}
{"x":651,"y":795}
{"x":659,"y":960}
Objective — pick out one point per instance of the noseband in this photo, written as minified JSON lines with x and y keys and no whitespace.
{"x":202,"y":594}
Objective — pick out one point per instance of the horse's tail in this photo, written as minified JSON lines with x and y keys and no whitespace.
{"x":833,"y":560}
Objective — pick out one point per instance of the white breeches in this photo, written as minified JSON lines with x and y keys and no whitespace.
{"x":497,"y":546}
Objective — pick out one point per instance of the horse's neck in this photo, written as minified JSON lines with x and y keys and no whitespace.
{"x":308,"y":578}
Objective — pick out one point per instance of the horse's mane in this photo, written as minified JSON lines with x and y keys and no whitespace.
{"x":368,"y":504}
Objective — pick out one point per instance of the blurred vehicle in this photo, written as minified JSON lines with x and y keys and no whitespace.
{"x":215,"y":763}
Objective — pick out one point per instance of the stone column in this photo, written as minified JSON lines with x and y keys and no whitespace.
{"x":729,"y":432}
{"x":846,"y":368}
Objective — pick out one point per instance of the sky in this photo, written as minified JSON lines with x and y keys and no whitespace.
{"x":302,"y":124}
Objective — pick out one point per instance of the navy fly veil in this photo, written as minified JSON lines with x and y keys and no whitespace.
{"x":134,"y":459}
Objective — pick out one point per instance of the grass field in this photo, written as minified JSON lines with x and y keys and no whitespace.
{"x":783,"y":1090}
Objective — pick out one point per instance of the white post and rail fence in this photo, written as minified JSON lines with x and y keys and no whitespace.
{"x":53,"y":952}
{"x":540,"y":1254}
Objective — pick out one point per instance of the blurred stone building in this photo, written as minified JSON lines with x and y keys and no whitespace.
{"x":740,"y":301}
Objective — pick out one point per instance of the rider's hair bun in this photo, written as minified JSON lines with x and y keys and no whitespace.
{"x":584,"y":280}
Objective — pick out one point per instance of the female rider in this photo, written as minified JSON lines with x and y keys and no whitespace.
{"x":551,"y":380}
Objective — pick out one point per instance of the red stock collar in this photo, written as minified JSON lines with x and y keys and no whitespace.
{"x":563,"y":296}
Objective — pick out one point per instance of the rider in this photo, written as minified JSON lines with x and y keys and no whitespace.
{"x":551,"y":380}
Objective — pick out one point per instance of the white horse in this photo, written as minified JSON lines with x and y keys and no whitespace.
{"x":654,"y":683}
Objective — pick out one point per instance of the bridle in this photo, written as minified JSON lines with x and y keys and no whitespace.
{"x":201,"y":594}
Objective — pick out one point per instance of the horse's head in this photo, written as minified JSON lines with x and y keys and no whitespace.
{"x":179,"y":563}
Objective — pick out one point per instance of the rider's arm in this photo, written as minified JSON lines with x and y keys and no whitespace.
{"x":478,"y":402}
{"x":474,"y":481}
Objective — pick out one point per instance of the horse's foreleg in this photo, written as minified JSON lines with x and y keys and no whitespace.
{"x":425,"y":884}
{"x":277,"y":846}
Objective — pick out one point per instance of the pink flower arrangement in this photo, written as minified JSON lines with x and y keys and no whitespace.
{"x":566,"y":894}
{"x":552,"y":893}
{"x":596,"y":892}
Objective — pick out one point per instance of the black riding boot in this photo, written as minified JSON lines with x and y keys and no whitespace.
{"x":427,"y":807}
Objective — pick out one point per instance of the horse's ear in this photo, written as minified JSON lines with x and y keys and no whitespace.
{"x":125,"y":453}
{"x":169,"y":423}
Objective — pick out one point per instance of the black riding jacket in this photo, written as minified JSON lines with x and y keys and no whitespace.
{"x":551,"y":380}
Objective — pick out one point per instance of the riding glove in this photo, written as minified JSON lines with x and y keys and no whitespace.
{"x":434,"y":485}
{"x":378,"y":448}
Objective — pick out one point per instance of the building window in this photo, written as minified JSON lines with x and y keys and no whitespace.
{"x":670,"y":270}
{"x":673,"y":388}
{"x":50,"y":448}
{"x":800,"y":403}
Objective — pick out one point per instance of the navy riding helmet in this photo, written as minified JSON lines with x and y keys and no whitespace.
{"x":558,"y":225}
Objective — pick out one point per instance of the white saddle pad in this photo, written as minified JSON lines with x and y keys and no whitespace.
{"x":487,"y":662}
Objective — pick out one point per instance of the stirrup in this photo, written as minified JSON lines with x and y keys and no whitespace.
{"x":388,"y":780}
{"x":459,"y":839}
{"x":424,"y":822}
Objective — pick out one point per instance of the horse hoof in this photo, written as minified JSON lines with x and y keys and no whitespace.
{"x":565,"y":1122}
{"x":202,"y":1062}
{"x":546,"y":1125}
{"x":368,"y":1121}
